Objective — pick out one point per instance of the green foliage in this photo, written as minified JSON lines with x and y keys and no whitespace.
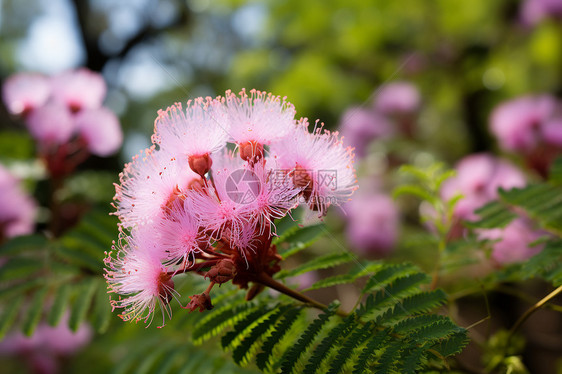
{"x":53,"y":278}
{"x":392,"y":327}
{"x":425,"y":184}
{"x":542,"y":203}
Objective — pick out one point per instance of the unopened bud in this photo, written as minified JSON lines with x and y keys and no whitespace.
{"x":200,"y":164}
{"x":201,"y":302}
{"x":222,"y":272}
{"x":251,"y":151}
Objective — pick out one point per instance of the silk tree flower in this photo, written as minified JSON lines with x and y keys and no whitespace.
{"x":79,"y":89}
{"x":478,"y":178}
{"x":517,"y":123}
{"x":137,"y":274}
{"x":319,"y":163}
{"x":360,"y":126}
{"x":25,"y":92}
{"x":225,"y":206}
{"x":276,"y":195}
{"x":195,"y":204}
{"x":100,"y":129}
{"x":193,"y":133}
{"x":18,"y":209}
{"x":397,"y":98}
{"x":148,"y":184}
{"x":257,"y":120}
{"x":372,"y":223}
{"x":513,"y":243}
{"x":179,"y":234}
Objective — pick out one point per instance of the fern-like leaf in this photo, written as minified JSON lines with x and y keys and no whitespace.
{"x":291,"y":357}
{"x":280,"y":330}
{"x":339,"y":332}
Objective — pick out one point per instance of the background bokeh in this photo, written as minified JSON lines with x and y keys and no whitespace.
{"x":464,"y":58}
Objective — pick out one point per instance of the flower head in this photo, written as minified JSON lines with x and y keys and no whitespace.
{"x":179,"y":234}
{"x":260,"y":118}
{"x":319,"y":163}
{"x":197,"y":131}
{"x":136,"y":272}
{"x":149,"y":184}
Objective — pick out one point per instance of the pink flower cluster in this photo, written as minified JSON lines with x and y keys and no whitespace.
{"x":43,"y":350}
{"x":205,"y":197}
{"x":395,"y":106}
{"x":17,"y":210}
{"x":478,"y":179}
{"x":373,"y":222}
{"x":64,"y":114}
{"x":531,"y":126}
{"x":534,"y":11}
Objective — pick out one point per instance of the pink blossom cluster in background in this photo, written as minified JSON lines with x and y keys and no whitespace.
{"x":43,"y":350}
{"x":194,"y":203}
{"x":372,"y":223}
{"x":534,"y":11}
{"x":393,"y":110}
{"x":17,"y":210}
{"x":478,"y":179}
{"x":531,"y":126}
{"x":65,"y":115}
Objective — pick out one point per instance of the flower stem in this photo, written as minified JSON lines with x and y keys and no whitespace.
{"x":268,"y":281}
{"x":533,"y":309}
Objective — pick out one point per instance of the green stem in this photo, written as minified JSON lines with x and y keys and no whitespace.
{"x":268,"y":281}
{"x":533,"y":309}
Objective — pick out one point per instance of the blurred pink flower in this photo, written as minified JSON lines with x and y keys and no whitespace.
{"x":51,"y":124}
{"x":534,"y":11}
{"x":100,"y":129}
{"x":373,"y":222}
{"x":552,"y":131}
{"x":514,"y":241}
{"x":517,"y":123}
{"x":17,"y":212}
{"x":79,"y":89}
{"x":25,"y":91}
{"x":397,"y":98}
{"x":43,"y":350}
{"x":359,"y":127}
{"x":478,"y":178}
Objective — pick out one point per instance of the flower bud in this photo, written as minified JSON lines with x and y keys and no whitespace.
{"x":201,"y":302}
{"x":200,"y":164}
{"x":251,"y":151}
